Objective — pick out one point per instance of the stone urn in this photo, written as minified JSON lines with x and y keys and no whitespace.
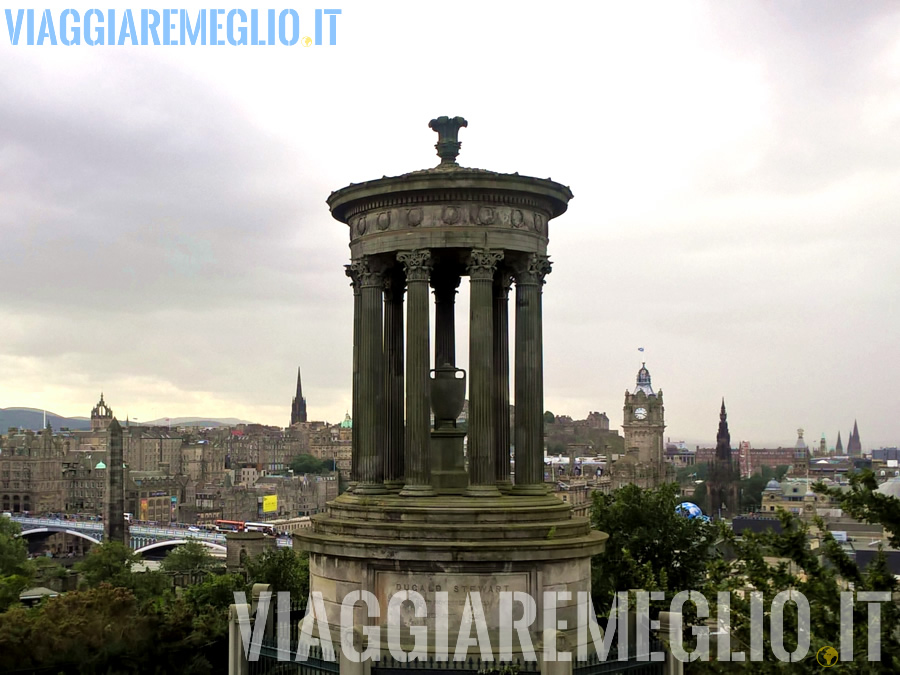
{"x":448,"y":394}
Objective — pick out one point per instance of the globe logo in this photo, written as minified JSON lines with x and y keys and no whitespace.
{"x":306,"y":41}
{"x":827,"y":657}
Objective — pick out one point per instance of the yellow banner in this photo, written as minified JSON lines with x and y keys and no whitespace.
{"x":270,"y":503}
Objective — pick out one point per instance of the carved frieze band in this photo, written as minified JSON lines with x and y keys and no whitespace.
{"x":444,"y":215}
{"x":483,"y":263}
{"x":416,"y":263}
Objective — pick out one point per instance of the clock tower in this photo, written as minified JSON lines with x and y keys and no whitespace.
{"x":644,"y":463}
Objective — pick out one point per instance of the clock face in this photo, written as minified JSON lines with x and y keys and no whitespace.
{"x":640,"y":413}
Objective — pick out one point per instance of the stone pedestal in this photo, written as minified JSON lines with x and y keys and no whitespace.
{"x":242,"y":545}
{"x":448,"y":465}
{"x":453,"y":545}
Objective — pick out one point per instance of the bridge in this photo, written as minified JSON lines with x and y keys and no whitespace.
{"x":142,"y":538}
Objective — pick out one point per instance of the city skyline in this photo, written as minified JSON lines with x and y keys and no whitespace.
{"x":811,"y":440}
{"x":167,"y":242}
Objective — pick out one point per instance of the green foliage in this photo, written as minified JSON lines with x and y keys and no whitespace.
{"x":752,"y":488}
{"x":16,"y":571}
{"x":93,"y":629}
{"x":114,"y":629}
{"x":556,"y":448}
{"x":309,"y":464}
{"x":190,"y":557}
{"x":109,"y":562}
{"x":282,"y":568}
{"x":692,"y":473}
{"x":500,"y":670}
{"x":549,"y":417}
{"x":650,"y":546}
{"x":863,"y":502}
{"x":770,"y":563}
{"x":701,"y":497}
{"x":216,"y":591}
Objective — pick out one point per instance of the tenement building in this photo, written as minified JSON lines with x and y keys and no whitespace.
{"x":31,"y":477}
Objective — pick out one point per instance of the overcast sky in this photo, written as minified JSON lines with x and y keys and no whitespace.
{"x":736,"y":171}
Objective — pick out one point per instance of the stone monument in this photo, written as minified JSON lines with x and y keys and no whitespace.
{"x":114,"y":526}
{"x":420,"y":514}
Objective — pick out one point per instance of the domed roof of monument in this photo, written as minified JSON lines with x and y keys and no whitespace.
{"x":890,"y":487}
{"x":773,"y":485}
{"x":100,"y":465}
{"x":347,"y":423}
{"x":449,"y":175}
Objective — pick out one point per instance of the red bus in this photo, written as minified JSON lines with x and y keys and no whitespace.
{"x":230,"y":525}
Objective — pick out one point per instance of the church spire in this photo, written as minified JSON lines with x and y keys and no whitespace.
{"x":839,"y":446}
{"x":854,"y":447}
{"x":723,"y":438}
{"x":298,"y":405}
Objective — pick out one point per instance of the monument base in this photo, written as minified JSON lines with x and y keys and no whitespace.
{"x":462,"y":556}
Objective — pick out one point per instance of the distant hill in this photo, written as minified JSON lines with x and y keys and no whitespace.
{"x":194,"y":422}
{"x":31,"y":418}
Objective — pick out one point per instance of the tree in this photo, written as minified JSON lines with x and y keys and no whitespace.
{"x":770,"y":563}
{"x":309,"y":464}
{"x":108,"y":562}
{"x":864,"y":502}
{"x":190,"y":557}
{"x":692,"y":473}
{"x":650,"y":545}
{"x":701,"y":496}
{"x":16,"y":571}
{"x":549,"y":417}
{"x":81,"y":631}
{"x":556,"y":448}
{"x":282,"y":568}
{"x":111,"y":563}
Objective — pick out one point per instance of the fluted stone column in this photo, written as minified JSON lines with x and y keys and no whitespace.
{"x":394,"y":441}
{"x":371,"y":379}
{"x":354,"y":411}
{"x":529,"y":453}
{"x":417,"y":265}
{"x":481,"y":267}
{"x":500,"y":382}
{"x":445,"y":282}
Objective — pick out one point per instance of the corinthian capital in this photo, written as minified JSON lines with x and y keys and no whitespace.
{"x":417,"y":264}
{"x":365,"y":275}
{"x":483,"y":263}
{"x":533,"y":270}
{"x":354,"y":277}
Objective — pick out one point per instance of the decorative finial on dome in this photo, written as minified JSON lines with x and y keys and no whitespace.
{"x":448,"y":144}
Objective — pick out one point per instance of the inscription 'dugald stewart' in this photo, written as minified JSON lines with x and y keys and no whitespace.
{"x":458,"y":588}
